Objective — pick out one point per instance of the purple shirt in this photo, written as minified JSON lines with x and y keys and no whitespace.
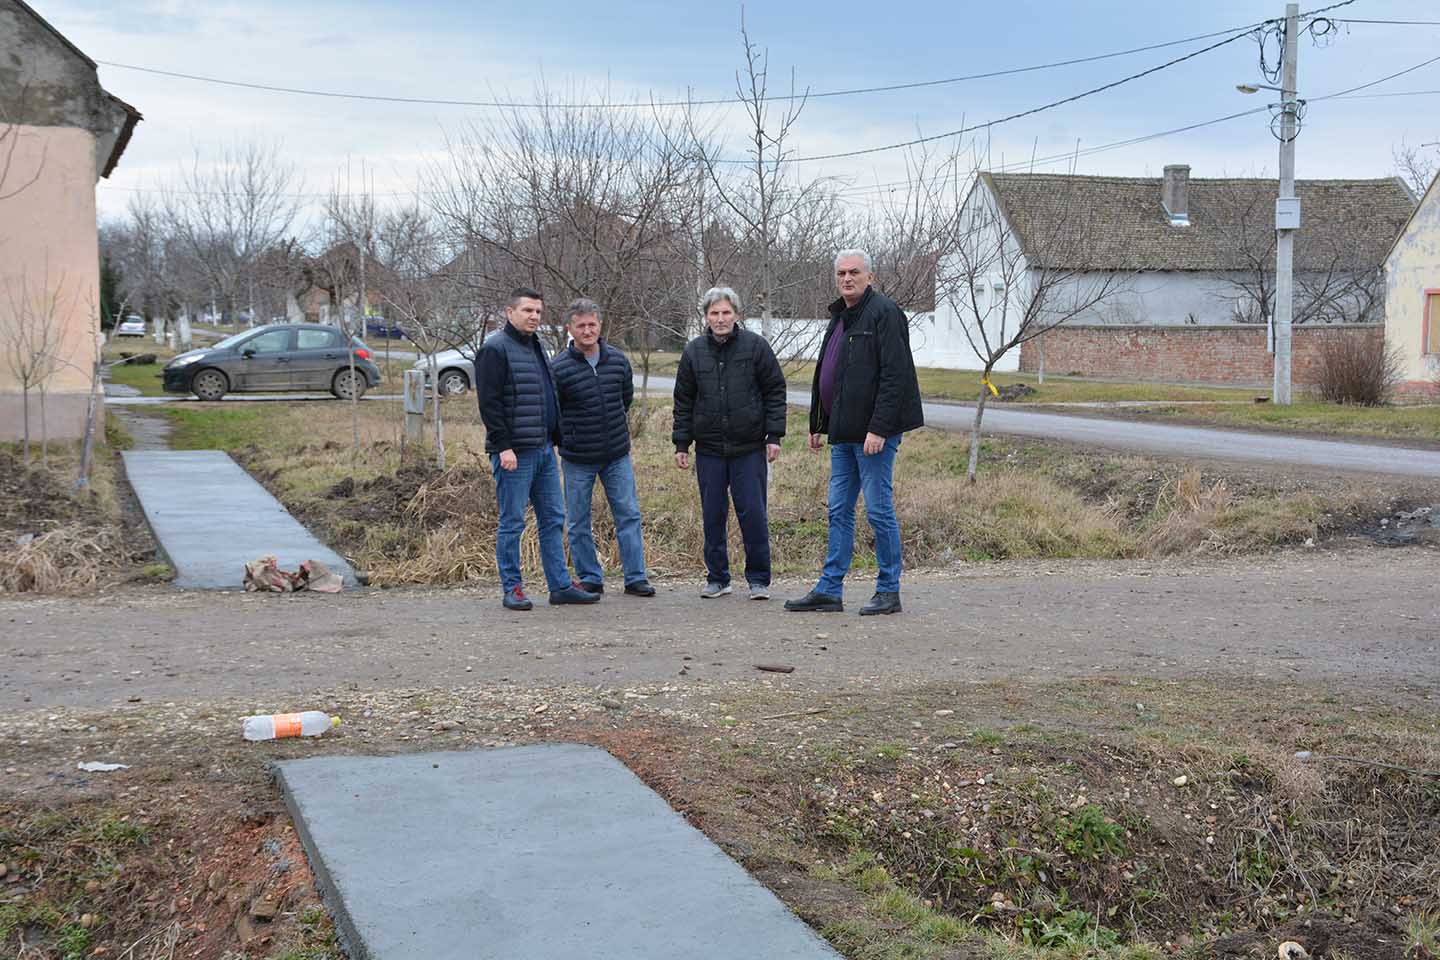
{"x":829,"y":366}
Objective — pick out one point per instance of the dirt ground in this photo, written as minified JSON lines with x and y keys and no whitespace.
{"x":1101,"y":816}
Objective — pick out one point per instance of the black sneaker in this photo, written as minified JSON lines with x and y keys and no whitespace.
{"x":573,"y":594}
{"x":516,"y":600}
{"x":640,"y":588}
{"x":814,"y":602}
{"x":881,"y":603}
{"x":592,"y":587}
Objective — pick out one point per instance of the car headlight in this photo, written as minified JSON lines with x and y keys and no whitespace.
{"x":182,"y":361}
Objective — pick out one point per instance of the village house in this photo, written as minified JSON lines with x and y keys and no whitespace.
{"x":1186,"y":266}
{"x":60,"y":131}
{"x":1412,"y":296}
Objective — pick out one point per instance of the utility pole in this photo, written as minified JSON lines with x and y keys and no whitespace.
{"x":1287,"y":211}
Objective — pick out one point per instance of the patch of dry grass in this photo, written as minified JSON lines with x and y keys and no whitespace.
{"x":53,"y":537}
{"x":404,"y":521}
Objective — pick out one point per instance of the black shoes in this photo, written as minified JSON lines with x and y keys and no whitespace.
{"x":881,"y":603}
{"x":592,"y":587}
{"x":814,"y":602}
{"x":640,"y":588}
{"x":573,"y":594}
{"x":515,"y":599}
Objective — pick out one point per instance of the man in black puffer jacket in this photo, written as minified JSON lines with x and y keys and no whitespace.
{"x":730,"y":402}
{"x":595,"y":386}
{"x":522,"y":421}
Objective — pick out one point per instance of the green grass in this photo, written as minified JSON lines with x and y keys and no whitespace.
{"x":222,"y":427}
{"x":1400,"y":422}
{"x":143,"y":377}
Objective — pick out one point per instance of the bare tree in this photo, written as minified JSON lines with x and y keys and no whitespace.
{"x":33,"y":337}
{"x":428,"y":298}
{"x":1338,"y":276}
{"x":350,"y":223}
{"x":1416,"y":166}
{"x":226,"y":215}
{"x":1010,"y":289}
{"x":774,"y":226}
{"x":568,"y":199}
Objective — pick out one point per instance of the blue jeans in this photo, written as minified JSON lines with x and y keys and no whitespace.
{"x":618,"y":479}
{"x":743,"y":479}
{"x":851,"y":473}
{"x":535,"y":480}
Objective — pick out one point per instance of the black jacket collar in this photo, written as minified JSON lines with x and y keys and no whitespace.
{"x":716,"y":344}
{"x":839,"y":307}
{"x":580,"y":354}
{"x":518,"y":334}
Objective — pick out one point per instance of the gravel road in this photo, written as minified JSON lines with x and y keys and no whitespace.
{"x":1360,"y":616}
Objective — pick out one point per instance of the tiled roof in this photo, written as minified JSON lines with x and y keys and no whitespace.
{"x":1119,"y":223}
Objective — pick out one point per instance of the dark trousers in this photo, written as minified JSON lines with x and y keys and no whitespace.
{"x":742,"y":478}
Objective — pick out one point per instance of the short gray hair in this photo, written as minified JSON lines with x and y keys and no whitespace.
{"x":714,"y":295}
{"x":865,"y":257}
{"x":582,"y":307}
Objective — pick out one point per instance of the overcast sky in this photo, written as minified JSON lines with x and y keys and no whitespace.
{"x":645,"y":48}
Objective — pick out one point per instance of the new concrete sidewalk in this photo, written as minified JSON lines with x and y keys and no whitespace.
{"x":549,"y":852}
{"x":211,"y":518}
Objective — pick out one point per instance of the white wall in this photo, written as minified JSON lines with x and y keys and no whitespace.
{"x":1412,"y":268}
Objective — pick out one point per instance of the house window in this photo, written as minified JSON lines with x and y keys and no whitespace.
{"x":999,"y":290}
{"x":1432,"y":321}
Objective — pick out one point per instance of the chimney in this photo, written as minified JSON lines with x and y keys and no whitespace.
{"x":1175,"y":194}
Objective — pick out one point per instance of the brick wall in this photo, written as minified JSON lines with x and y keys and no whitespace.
{"x":1185,"y":354}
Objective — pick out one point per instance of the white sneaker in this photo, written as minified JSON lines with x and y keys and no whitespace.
{"x":713,"y":590}
{"x":757,"y":592}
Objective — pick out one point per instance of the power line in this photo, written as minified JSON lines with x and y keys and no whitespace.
{"x":1402,"y":23}
{"x":1348,"y":93}
{"x":815,"y":95}
{"x":1014,"y":116}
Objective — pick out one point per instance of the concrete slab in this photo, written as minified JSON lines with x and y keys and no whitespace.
{"x":211,"y":518}
{"x":525,"y":853}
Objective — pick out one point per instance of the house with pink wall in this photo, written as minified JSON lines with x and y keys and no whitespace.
{"x":60,"y":132}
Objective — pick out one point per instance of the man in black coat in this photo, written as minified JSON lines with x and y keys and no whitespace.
{"x":522,"y":422}
{"x":730,"y":402}
{"x":595,"y":387}
{"x":865,"y":396}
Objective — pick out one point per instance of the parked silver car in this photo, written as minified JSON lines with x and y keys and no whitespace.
{"x":272,"y":358}
{"x":455,"y":371}
{"x":131,"y":326}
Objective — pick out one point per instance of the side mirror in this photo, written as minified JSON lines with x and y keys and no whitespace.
{"x":248,"y":352}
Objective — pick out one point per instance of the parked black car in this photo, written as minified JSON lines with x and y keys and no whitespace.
{"x":273,"y":358}
{"x":382,"y":329}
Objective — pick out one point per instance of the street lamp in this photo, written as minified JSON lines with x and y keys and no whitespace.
{"x":1287,"y":206}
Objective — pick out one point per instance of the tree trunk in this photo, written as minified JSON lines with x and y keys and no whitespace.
{"x":25,"y":415}
{"x":1040,"y":348}
{"x":87,"y":448}
{"x":44,"y":432}
{"x":975,"y":430}
{"x":439,"y":429}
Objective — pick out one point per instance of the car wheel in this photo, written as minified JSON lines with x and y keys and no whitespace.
{"x":209,"y":384}
{"x":349,"y":384}
{"x":453,"y":383}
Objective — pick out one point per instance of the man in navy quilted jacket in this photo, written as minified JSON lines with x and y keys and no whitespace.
{"x":595,"y":386}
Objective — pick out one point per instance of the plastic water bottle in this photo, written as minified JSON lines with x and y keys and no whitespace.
{"x":310,"y":723}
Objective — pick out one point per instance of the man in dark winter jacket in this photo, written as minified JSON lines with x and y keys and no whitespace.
{"x":522,"y":422}
{"x":730,"y":402}
{"x":865,"y":395}
{"x":595,"y":386}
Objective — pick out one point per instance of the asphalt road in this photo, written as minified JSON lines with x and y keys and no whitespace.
{"x":1364,"y":618}
{"x":1198,"y":443}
